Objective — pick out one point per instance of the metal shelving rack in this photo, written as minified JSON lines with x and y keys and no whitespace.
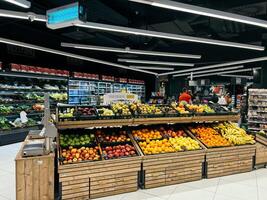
{"x":257,"y":110}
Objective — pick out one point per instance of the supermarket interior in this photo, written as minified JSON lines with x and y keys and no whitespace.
{"x":109,"y":100}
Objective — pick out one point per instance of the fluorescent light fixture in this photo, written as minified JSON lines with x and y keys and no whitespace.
{"x":134,"y":31}
{"x":22,"y":15}
{"x":153,"y":68}
{"x":120,"y":29}
{"x":208,"y":71}
{"x":259,"y":59}
{"x":227,"y":72}
{"x":62,"y":53}
{"x":130,"y":51}
{"x":150,"y":62}
{"x":204,"y":11}
{"x":21,"y":3}
{"x":238,"y":76}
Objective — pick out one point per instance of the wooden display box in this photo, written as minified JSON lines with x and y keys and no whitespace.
{"x":34,"y":177}
{"x":261,"y":150}
{"x":172,"y":168}
{"x":91,"y":180}
{"x":224,"y":161}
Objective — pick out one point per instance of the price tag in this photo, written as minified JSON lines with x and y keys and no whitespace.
{"x":23,"y":117}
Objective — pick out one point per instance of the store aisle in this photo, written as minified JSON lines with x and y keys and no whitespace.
{"x":247,"y":186}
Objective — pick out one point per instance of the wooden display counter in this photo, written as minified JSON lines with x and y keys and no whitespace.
{"x":99,"y":178}
{"x":144,"y":121}
{"x":261,"y":150}
{"x":172,"y":168}
{"x":229,"y":160}
{"x":34,"y":176}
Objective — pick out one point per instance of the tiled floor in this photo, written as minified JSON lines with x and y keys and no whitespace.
{"x":247,"y":186}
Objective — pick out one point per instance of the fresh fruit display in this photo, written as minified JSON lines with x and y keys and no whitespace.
{"x":120,"y":136}
{"x":180,"y":108}
{"x":210,"y":137}
{"x":207,"y":109}
{"x":156,"y":146}
{"x":121,"y":108}
{"x":118,"y":151}
{"x":85,"y":111}
{"x":195,"y":108}
{"x":146,"y":109}
{"x":105,"y":112}
{"x":262,"y":133}
{"x":59,"y":96}
{"x":38,"y":107}
{"x":234,"y":134}
{"x":67,"y":113}
{"x":168,"y":110}
{"x":174,"y":133}
{"x":4,"y":124}
{"x":133,"y":107}
{"x":184,"y":143}
{"x":76,"y":139}
{"x":144,"y":134}
{"x":73,"y":155}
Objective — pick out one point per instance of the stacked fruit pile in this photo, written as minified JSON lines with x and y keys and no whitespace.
{"x":199,"y":108}
{"x":168,"y":110}
{"x":210,"y":137}
{"x":76,"y":139}
{"x":86,"y":111}
{"x":146,"y":109}
{"x":105,"y":112}
{"x":234,"y":134}
{"x":156,"y":146}
{"x":120,"y":136}
{"x":173,"y":133}
{"x":121,"y":108}
{"x":184,"y":143}
{"x":118,"y":151}
{"x":180,"y":108}
{"x":67,"y":113}
{"x":73,"y":155}
{"x":144,"y":134}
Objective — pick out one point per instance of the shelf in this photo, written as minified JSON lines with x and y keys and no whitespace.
{"x":257,"y":129}
{"x":255,"y":100}
{"x":144,"y":121}
{"x":32,"y":75}
{"x":33,"y":90}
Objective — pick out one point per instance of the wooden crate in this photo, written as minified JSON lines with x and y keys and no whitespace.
{"x":229,"y":160}
{"x":261,"y":150}
{"x":91,"y":180}
{"x":34,"y":177}
{"x":172,"y":168}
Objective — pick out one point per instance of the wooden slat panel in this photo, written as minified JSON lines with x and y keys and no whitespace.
{"x":20,"y":180}
{"x":110,"y":189}
{"x":82,"y":195}
{"x":113,"y":184}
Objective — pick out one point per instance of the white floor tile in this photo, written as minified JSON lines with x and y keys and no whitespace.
{"x":162,"y":192}
{"x":262,"y":194}
{"x":223,"y":197}
{"x":204,"y":184}
{"x":139,"y":195}
{"x":115,"y":197}
{"x":239,"y":191}
{"x":187,"y":193}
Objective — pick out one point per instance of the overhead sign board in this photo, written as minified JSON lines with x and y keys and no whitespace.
{"x":66,"y":16}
